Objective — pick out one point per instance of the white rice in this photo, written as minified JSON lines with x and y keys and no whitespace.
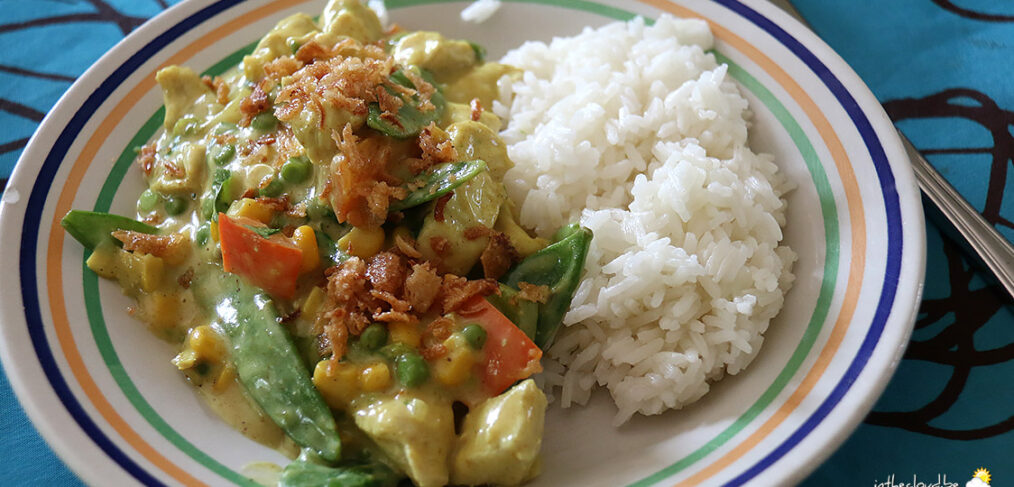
{"x":640,"y":135}
{"x":480,"y":11}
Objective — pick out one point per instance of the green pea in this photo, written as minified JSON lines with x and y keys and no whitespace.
{"x":273,"y":189}
{"x":207,"y":208}
{"x":411,"y":369}
{"x":394,"y":350}
{"x":174,"y":205}
{"x":264,"y":121}
{"x":296,"y":170}
{"x":373,"y":337}
{"x":222,"y":154}
{"x":203,"y":233}
{"x":148,"y":200}
{"x":475,"y":335}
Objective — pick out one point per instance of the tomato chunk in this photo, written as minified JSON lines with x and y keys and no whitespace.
{"x":508,"y":354}
{"x":268,"y":260}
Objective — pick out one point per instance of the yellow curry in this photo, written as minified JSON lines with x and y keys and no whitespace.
{"x":327,"y":238}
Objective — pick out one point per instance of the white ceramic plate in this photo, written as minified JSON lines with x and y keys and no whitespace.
{"x":99,"y":386}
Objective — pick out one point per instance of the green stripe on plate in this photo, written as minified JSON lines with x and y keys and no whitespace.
{"x":93,"y":304}
{"x":816,"y":322}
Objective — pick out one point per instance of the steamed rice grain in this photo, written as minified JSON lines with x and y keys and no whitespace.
{"x":638,"y":133}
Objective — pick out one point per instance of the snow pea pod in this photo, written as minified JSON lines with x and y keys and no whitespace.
{"x":411,"y":118}
{"x":92,"y":228}
{"x":522,"y":312}
{"x":267,"y":362}
{"x":558,"y":266}
{"x":440,"y":180}
{"x":301,"y":473}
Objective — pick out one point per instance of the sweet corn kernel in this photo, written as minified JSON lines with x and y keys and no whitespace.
{"x":407,"y":333}
{"x":338,"y":384}
{"x":184,"y":360}
{"x":375,"y":377}
{"x":214,"y":231}
{"x":362,"y":242}
{"x":251,"y":208}
{"x":307,"y":243}
{"x":455,"y":367}
{"x":206,"y":343}
{"x":225,"y":378}
{"x":313,"y":302}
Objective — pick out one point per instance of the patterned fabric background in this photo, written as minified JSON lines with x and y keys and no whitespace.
{"x":943,"y":71}
{"x":57,"y":40}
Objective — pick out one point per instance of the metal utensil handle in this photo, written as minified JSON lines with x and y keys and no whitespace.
{"x":996,"y":252}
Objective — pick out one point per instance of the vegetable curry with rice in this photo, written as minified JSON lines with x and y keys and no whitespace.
{"x":327,"y":237}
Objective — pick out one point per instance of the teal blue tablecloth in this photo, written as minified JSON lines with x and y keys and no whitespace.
{"x":943,"y":70}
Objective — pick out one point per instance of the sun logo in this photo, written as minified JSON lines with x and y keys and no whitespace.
{"x":980,"y":478}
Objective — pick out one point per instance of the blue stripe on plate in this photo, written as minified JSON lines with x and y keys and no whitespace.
{"x":33,"y":218}
{"x":894,"y":235}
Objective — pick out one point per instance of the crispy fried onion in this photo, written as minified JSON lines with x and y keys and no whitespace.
{"x":170,"y":247}
{"x":359,"y":187}
{"x":392,"y":287}
{"x":348,"y":76}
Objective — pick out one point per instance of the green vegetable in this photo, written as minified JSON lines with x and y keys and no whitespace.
{"x":480,"y":52}
{"x":557,"y":266}
{"x":148,"y":200}
{"x":475,"y":335}
{"x":438,"y":181}
{"x":186,"y":125}
{"x":373,"y":337}
{"x":411,"y":369}
{"x":222,"y":154}
{"x":410,"y":119}
{"x":522,"y":312}
{"x":268,"y":365}
{"x":330,"y":254}
{"x":296,"y":170}
{"x":273,"y":189}
{"x":203,"y":233}
{"x":301,"y":473}
{"x":318,"y":209}
{"x":264,"y":121}
{"x":92,"y":228}
{"x":220,"y":196}
{"x":175,"y":205}
{"x":263,"y":231}
{"x":394,"y":350}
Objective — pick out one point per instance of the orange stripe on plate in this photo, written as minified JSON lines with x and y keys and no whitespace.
{"x":56,"y":238}
{"x":857,"y":224}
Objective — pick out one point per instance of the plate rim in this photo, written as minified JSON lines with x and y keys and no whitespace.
{"x":71,"y":96}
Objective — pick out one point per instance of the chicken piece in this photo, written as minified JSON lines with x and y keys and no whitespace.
{"x":416,"y":434}
{"x":501,"y":438}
